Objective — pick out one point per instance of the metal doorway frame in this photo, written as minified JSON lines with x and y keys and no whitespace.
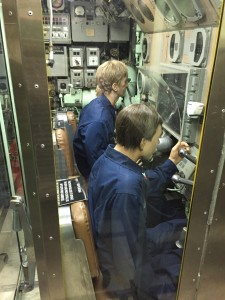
{"x":24,"y":34}
{"x":203,"y":269}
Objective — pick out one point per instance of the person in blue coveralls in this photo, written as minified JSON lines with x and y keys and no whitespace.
{"x":96,"y":126}
{"x":135,"y":261}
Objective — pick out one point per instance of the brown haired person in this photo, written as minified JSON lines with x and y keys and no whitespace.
{"x":96,"y":126}
{"x":133,"y":264}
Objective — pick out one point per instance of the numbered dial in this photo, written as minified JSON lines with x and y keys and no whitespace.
{"x":79,"y":11}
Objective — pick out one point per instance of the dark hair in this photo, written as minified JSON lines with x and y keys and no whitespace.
{"x":135,"y":122}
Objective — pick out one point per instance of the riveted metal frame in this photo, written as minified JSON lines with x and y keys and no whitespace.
{"x":203,"y":269}
{"x":24,"y":34}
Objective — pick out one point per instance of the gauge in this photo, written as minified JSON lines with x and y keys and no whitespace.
{"x":57,"y":3}
{"x":145,"y":10}
{"x":79,"y":11}
{"x":137,"y":13}
{"x":99,"y":12}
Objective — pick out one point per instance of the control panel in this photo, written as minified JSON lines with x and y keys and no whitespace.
{"x":89,"y":77}
{"x":61,"y":32}
{"x":77,"y":78}
{"x":60,"y":66}
{"x":76,"y":57}
{"x":93,"y":57}
{"x":88,"y":22}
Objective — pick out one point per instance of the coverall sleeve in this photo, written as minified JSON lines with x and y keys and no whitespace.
{"x":96,"y":141}
{"x":159,"y":176}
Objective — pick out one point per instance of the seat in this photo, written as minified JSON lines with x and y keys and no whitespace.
{"x":72,"y":120}
{"x":63,"y":144}
{"x":64,"y":131}
{"x":83,"y":231}
{"x":79,"y":210}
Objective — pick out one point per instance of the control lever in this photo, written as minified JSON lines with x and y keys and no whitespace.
{"x":178,"y":179}
{"x":180,"y":242}
{"x":184,"y":153}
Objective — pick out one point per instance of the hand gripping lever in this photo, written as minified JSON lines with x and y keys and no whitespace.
{"x":184,"y":153}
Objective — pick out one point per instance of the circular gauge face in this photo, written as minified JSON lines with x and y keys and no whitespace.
{"x":145,"y":50}
{"x":99,"y":12}
{"x":79,"y":11}
{"x":146,"y":11}
{"x":137,"y":14}
{"x":57,"y":3}
{"x":140,"y":79}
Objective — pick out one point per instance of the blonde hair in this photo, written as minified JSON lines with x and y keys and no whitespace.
{"x":98,"y":91}
{"x":110,"y":72}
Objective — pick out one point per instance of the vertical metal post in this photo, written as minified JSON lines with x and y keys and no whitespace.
{"x":24,"y":35}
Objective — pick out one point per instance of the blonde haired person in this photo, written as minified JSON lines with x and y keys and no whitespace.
{"x":98,"y":91}
{"x":95,"y":130}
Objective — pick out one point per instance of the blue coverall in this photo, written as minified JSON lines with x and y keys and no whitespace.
{"x":129,"y":255}
{"x":94,"y":133}
{"x":159,"y":208}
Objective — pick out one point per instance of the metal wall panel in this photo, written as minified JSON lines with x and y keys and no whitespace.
{"x":24,"y":33}
{"x":203,"y":269}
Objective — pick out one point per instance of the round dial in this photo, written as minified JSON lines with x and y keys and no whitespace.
{"x":57,"y":3}
{"x":79,"y":11}
{"x":99,"y":12}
